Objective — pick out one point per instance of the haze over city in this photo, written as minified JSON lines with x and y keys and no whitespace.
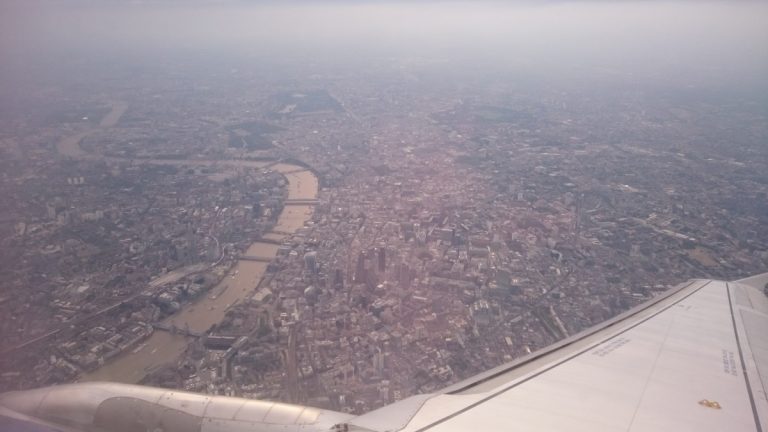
{"x":343,"y":204}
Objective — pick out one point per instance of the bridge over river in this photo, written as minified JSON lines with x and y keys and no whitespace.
{"x":254,"y":258}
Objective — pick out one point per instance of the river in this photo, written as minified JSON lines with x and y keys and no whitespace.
{"x":240,"y":283}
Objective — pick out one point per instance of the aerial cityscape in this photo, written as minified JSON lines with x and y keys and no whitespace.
{"x":348,"y":238}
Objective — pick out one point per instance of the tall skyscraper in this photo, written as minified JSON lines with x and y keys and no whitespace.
{"x":338,"y":280}
{"x":360,"y":268}
{"x":310,"y":259}
{"x":382,"y":259}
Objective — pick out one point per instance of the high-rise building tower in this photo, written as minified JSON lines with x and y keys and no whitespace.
{"x":382,"y":259}
{"x":360,"y":269}
{"x":338,"y":279}
{"x":310,"y":259}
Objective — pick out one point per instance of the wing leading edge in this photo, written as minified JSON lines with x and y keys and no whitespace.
{"x":694,"y":358}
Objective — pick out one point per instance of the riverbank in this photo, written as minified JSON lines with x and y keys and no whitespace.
{"x":238,"y":284}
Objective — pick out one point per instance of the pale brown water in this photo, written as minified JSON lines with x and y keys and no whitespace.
{"x":237,"y":285}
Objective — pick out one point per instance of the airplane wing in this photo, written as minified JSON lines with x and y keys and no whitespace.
{"x":695,"y":358}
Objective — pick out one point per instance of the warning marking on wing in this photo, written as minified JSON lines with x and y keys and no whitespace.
{"x":605,"y":349}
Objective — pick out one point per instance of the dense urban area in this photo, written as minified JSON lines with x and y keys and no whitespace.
{"x":346,"y":240}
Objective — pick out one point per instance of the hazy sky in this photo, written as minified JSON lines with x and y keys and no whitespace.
{"x":727,"y":39}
